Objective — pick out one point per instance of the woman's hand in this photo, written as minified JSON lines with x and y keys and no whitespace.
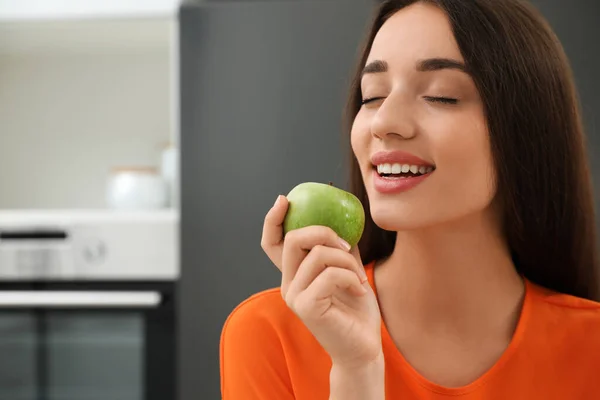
{"x":324,"y":283}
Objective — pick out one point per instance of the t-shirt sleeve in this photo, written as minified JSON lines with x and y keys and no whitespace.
{"x":253,"y":365}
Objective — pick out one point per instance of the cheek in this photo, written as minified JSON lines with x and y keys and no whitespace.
{"x":465,"y":162}
{"x":463,"y":184}
{"x":359,"y":137}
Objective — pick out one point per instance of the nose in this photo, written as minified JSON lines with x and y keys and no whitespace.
{"x":394,"y":118}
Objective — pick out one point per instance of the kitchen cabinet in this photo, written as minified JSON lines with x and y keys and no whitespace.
{"x":85,"y":86}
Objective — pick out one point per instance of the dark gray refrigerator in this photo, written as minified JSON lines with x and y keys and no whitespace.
{"x":262,"y":90}
{"x":263,"y":84}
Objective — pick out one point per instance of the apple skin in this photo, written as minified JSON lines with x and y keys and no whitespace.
{"x":312,"y":203}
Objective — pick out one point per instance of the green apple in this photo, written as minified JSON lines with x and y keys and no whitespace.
{"x":312,"y":203}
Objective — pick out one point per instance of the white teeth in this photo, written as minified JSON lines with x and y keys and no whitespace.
{"x":402,"y":168}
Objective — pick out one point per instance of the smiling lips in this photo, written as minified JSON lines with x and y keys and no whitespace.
{"x":398,"y":171}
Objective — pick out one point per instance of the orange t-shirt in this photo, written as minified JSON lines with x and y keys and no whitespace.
{"x":268,"y":354}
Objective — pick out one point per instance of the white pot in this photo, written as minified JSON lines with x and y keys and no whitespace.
{"x":136,"y":188}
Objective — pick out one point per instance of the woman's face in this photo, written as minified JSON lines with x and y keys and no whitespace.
{"x":420,"y":137}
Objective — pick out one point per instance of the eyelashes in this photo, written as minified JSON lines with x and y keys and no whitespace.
{"x":370,"y":100}
{"x":443,"y":100}
{"x":431,"y":99}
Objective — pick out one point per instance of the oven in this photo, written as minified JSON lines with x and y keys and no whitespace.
{"x":87,"y":308}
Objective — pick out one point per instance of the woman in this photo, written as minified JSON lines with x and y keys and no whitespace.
{"x":479,"y":274}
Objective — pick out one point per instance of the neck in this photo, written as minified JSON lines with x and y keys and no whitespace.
{"x":460,"y":275}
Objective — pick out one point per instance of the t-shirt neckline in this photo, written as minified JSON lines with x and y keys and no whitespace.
{"x":508,"y":353}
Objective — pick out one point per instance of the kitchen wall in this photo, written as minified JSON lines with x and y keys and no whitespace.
{"x":75,"y":105}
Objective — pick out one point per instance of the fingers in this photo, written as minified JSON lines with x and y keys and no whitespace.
{"x":289,"y":254}
{"x":299,"y":242}
{"x":272,"y":234}
{"x":312,"y":302}
{"x":355,"y":252}
{"x":316,"y":262}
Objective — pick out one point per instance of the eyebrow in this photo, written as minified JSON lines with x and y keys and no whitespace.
{"x":375,"y":67}
{"x":427,"y":65}
{"x":436,"y":64}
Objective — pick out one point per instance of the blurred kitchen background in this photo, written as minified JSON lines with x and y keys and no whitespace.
{"x":141,"y":143}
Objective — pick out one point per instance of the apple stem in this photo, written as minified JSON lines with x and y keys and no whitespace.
{"x":330,"y":183}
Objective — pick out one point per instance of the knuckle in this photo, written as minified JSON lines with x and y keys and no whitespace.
{"x":266,"y":249}
{"x":319,"y":251}
{"x":300,"y":306}
{"x":314,"y":233}
{"x":324,"y":232}
{"x":268,"y":217}
{"x":337,"y":274}
{"x":293,"y":236}
{"x":271,"y":218}
{"x":329,"y":273}
{"x":267,"y":246}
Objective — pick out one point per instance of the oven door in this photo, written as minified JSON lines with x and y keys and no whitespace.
{"x":61,"y":341}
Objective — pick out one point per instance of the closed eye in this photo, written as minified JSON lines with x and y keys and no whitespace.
{"x":443,"y":100}
{"x":370,"y":100}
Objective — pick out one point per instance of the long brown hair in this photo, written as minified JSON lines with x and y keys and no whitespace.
{"x":536,"y":136}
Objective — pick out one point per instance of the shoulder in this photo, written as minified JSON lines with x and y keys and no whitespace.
{"x":262,"y":319}
{"x":266,"y":349}
{"x":563,"y":330}
{"x":252,"y":359}
{"x":574,"y":316}
{"x":267,"y":304}
{"x":565,"y":303}
{"x":261,"y":313}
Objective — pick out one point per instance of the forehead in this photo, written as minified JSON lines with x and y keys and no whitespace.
{"x":418,"y":31}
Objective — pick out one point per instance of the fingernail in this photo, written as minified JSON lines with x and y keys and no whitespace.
{"x":277,"y":200}
{"x":345,"y":244}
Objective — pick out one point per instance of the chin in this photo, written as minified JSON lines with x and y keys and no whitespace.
{"x":401,"y":218}
{"x":414,"y":217}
